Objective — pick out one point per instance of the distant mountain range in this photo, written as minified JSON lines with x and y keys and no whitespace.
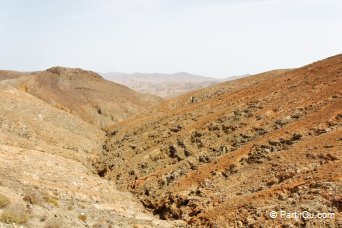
{"x":163,"y":85}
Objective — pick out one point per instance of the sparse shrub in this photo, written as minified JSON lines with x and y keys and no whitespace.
{"x":15,"y":214}
{"x":33,"y":197}
{"x":82,"y":217}
{"x":70,"y":205}
{"x":51,"y":200}
{"x":4,"y":201}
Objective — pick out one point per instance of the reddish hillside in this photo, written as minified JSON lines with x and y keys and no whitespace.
{"x":83,"y":93}
{"x":229,"y":154}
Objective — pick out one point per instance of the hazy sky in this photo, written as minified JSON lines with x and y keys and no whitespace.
{"x":216,"y":38}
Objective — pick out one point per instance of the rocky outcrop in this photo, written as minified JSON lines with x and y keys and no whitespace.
{"x":230,"y":154}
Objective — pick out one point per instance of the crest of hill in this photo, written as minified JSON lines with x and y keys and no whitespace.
{"x":74,"y":73}
{"x":231,"y":153}
{"x":8,"y":74}
{"x":83,"y":93}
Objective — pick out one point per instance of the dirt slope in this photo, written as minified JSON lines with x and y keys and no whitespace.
{"x":46,"y":190}
{"x":28,"y":122}
{"x":45,"y":180}
{"x":227,"y":155}
{"x":83,"y":93}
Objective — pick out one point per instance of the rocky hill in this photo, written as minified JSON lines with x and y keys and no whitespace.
{"x":228,"y":155}
{"x":45,"y":177}
{"x":8,"y":74}
{"x":163,"y":85}
{"x":31,"y":123}
{"x":81,"y":93}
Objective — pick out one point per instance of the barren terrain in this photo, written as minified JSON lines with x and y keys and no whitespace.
{"x":82,"y":93}
{"x":45,"y":176}
{"x":229,"y":154}
{"x":45,"y":190}
{"x":79,"y":151}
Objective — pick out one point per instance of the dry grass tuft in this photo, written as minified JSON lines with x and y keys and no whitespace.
{"x":52,"y":200}
{"x":33,"y":197}
{"x":4,"y":201}
{"x":15,"y":214}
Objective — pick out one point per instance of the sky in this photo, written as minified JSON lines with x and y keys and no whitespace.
{"x":217,"y":38}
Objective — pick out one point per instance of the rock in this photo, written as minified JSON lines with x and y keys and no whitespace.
{"x":213,"y":127}
{"x":172,"y":151}
{"x":204,"y":159}
{"x":273,"y":143}
{"x":143,"y":165}
{"x":319,"y":131}
{"x":296,"y":136}
{"x":239,"y":224}
{"x":327,"y":157}
{"x":224,"y":149}
{"x":187,"y":153}
{"x":283,"y":122}
{"x":296,"y":115}
{"x":176,"y":129}
{"x":272,"y":181}
{"x":328,"y":146}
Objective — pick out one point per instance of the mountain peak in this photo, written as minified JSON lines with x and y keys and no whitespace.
{"x":73,"y":73}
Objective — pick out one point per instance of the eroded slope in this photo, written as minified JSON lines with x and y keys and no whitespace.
{"x":27,"y":122}
{"x":45,"y":180}
{"x":230,"y":154}
{"x":46,"y":190}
